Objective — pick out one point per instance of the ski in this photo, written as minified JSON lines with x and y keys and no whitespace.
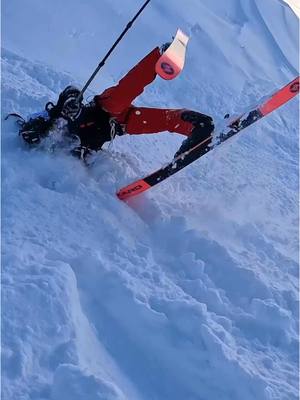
{"x":171,"y":63}
{"x":275,"y":101}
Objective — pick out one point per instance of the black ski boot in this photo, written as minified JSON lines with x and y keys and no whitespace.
{"x":204,"y":126}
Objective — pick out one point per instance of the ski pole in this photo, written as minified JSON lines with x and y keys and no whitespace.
{"x":128,"y":26}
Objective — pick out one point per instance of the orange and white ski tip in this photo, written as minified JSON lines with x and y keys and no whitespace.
{"x":133,"y":189}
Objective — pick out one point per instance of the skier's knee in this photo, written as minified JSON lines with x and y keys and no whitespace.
{"x":209,"y":125}
{"x":198,"y":120}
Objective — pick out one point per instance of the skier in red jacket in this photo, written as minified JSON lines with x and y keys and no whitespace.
{"x":113,"y":113}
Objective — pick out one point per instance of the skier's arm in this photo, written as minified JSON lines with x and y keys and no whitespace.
{"x":118,"y":98}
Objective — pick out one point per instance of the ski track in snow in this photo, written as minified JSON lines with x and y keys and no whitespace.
{"x":188,"y":292}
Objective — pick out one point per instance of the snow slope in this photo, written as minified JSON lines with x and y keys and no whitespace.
{"x":190,"y":291}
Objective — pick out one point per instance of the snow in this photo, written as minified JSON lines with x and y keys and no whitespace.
{"x":187,"y":292}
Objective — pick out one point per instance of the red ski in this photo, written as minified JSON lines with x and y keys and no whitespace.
{"x":171,"y":63}
{"x":279,"y":98}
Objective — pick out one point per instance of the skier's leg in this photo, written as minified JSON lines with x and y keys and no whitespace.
{"x":203,"y":127}
{"x":117,"y":99}
{"x":142,"y":120}
{"x":193,"y":124}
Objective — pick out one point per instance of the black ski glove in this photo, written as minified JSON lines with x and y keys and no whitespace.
{"x":69,"y":105}
{"x":34,"y":129}
{"x":31,"y":137}
{"x":71,"y":108}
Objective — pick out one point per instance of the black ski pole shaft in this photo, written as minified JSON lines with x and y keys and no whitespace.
{"x":128,"y":26}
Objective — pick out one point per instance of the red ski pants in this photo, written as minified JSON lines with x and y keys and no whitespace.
{"x":118,"y":99}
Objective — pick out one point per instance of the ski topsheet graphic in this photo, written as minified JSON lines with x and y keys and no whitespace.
{"x":275,"y":101}
{"x":171,"y":63}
